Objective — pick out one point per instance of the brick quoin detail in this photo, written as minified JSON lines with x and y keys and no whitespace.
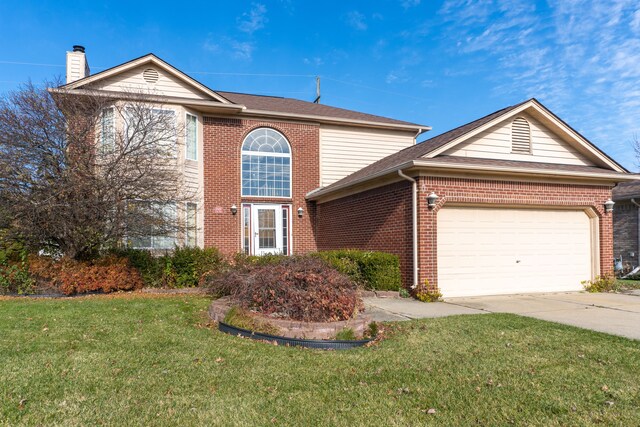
{"x":223,"y":139}
{"x":496,"y":193}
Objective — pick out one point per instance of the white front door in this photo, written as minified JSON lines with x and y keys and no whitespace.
{"x":267,"y":229}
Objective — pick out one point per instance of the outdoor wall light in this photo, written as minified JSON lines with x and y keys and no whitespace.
{"x":234,"y":209}
{"x":300,"y":212}
{"x":432,"y":199}
{"x":608,"y":206}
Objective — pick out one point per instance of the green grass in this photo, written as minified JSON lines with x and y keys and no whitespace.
{"x":628,"y":284}
{"x":149,"y":361}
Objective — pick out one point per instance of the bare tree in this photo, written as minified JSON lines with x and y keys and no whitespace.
{"x":83,"y":171}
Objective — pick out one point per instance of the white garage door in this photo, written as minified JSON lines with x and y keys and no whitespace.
{"x":486,"y":251}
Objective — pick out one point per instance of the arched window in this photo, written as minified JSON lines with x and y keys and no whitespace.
{"x":520,"y":136}
{"x":266,"y":164}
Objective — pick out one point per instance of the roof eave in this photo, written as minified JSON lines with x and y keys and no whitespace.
{"x":141,"y":61}
{"x":595,"y":151}
{"x":335,"y":120}
{"x":500,"y":170}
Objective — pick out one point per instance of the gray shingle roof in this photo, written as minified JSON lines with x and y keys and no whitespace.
{"x":296,"y":106}
{"x":419,"y":150}
{"x":626,"y":191}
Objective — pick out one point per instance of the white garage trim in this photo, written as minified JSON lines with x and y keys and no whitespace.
{"x":489,"y":250}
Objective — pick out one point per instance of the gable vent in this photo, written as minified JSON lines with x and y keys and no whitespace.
{"x":520,"y":136}
{"x":150,"y":76}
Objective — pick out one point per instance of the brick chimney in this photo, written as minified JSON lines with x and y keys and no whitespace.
{"x":77,"y":65}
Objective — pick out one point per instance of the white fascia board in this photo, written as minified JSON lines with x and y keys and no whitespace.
{"x":147,"y":59}
{"x":587,"y":146}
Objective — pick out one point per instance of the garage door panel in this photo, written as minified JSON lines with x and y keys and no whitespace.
{"x":485,"y":251}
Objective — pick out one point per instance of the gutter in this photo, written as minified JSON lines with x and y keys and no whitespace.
{"x":414,"y":225}
{"x":336,"y":120}
{"x":431,"y":165}
{"x":235,"y":108}
{"x":637,"y":247}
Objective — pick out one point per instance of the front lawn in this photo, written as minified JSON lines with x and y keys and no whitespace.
{"x":625,"y":284}
{"x":143,"y":360}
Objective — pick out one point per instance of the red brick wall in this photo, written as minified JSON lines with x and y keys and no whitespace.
{"x":378,"y":219}
{"x":477,"y":191}
{"x":223,"y":139}
{"x":625,"y":232}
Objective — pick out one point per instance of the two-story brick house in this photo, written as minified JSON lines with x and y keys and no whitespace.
{"x":512,"y":202}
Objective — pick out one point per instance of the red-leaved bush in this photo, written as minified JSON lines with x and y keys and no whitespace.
{"x":296,"y":288}
{"x":70,"y":277}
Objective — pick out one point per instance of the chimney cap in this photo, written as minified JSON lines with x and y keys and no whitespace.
{"x":78,"y":48}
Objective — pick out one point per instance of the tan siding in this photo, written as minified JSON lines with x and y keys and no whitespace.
{"x":167,"y":85}
{"x":495,"y":143}
{"x":344,"y":150}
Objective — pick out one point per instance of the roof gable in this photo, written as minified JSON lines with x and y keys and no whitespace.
{"x":548,"y":121}
{"x":511,"y":138}
{"x":129,"y":76}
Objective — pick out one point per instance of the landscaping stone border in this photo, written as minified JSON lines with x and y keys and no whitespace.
{"x":296,"y":329}
{"x":293,"y":342}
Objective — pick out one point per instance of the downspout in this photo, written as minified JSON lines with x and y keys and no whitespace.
{"x":638,"y":246}
{"x":414,"y":193}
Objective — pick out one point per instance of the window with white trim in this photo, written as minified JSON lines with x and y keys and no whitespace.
{"x":192,"y":225}
{"x":139,"y":126}
{"x":107,"y":130}
{"x":152,"y":225}
{"x":266,"y":164}
{"x":191,"y":137}
{"x":520,"y":136}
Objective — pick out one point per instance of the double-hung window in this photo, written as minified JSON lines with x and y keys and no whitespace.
{"x":152,"y":225}
{"x":192,"y":225}
{"x":152,"y":128}
{"x":107,"y":130}
{"x":191,"y":137}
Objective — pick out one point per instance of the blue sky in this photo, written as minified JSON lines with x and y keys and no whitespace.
{"x":436,"y":63}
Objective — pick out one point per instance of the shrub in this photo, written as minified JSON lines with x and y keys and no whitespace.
{"x":108,"y":274}
{"x":182,"y":268}
{"x":378,"y":271}
{"x":601,"y":284}
{"x":147,"y":265}
{"x":346,"y":334}
{"x":296,"y":288}
{"x":14,"y":275}
{"x":423,"y":293}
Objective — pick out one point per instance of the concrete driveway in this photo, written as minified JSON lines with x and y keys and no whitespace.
{"x":617,"y":314}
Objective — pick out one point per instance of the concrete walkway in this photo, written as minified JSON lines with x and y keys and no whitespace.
{"x":617,"y":314}
{"x":394,"y":309}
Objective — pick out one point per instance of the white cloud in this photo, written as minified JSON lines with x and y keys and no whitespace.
{"x":581,"y":58}
{"x":409,"y":3}
{"x":241,"y":50}
{"x":356,"y":20}
{"x":254,"y":20}
{"x":316,"y":61}
{"x":635,"y":22}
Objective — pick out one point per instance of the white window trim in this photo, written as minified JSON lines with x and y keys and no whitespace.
{"x":173,"y":154}
{"x":186,"y":136}
{"x":186,"y":220}
{"x":153,"y":236}
{"x":288,"y":155}
{"x":103,"y":146}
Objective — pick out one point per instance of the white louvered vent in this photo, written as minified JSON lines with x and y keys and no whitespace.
{"x":150,"y":76}
{"x":520,"y":136}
